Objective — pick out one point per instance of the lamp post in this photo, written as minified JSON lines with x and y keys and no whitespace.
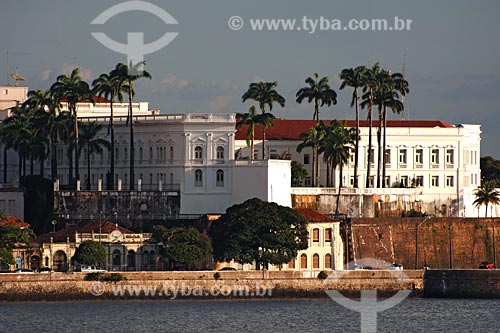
{"x":427,"y":218}
{"x":54,"y":222}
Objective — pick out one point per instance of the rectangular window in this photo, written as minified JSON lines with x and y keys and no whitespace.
{"x":255,"y":154}
{"x":388,"y":157}
{"x":12,"y":205}
{"x":371,"y":181}
{"x":419,"y":156}
{"x":328,"y":234}
{"x":449,"y":181}
{"x":435,"y":181}
{"x":2,"y":205}
{"x":372,"y":159}
{"x":307,"y":181}
{"x":404,"y":181}
{"x":419,"y":181}
{"x":306,"y":159}
{"x":402,"y":156}
{"x":450,"y":159}
{"x":387,"y":181}
{"x":351,"y":180}
{"x":435,"y":156}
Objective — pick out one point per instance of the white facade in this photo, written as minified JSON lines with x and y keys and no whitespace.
{"x":10,"y":97}
{"x":441,"y":162}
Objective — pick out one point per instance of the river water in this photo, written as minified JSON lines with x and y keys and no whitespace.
{"x":318,"y":315}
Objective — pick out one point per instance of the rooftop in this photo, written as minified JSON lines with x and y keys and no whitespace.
{"x":314,"y":216}
{"x":291,"y":129}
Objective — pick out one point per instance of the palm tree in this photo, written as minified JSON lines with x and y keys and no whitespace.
{"x":313,"y":140}
{"x":265,"y":94}
{"x":318,"y":91}
{"x":127,"y":74}
{"x":110,"y":88}
{"x":369,"y":88}
{"x":47,"y":118}
{"x":251,"y":119}
{"x":354,"y":78}
{"x":336,"y":146}
{"x":74,"y":90}
{"x":486,"y":194}
{"x":92,"y":144}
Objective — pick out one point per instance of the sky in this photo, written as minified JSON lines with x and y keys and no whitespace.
{"x":451,"y":53}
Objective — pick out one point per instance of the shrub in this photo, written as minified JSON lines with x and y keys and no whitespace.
{"x":322,"y":275}
{"x":217,"y":276}
{"x":95,"y":276}
{"x":113,"y":277}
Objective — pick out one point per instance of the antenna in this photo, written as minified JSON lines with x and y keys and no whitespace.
{"x":17,"y":77}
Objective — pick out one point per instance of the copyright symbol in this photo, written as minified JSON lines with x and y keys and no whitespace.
{"x":235,"y":22}
{"x":97,"y":289}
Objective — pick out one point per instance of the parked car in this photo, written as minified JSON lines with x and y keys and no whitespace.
{"x":486,"y":265}
{"x":90,"y":269}
{"x":395,"y":267}
{"x":45,"y":270}
{"x":362,"y":267}
{"x":24,"y":271}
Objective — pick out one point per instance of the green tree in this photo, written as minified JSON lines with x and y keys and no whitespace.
{"x":266,"y":95}
{"x":298,"y":173}
{"x":11,"y":238}
{"x":259,"y":232}
{"x":91,"y":253}
{"x":92,"y":143}
{"x":354,"y":78}
{"x":182,"y":247}
{"x":490,"y":169}
{"x":109,"y":87}
{"x":252,"y":119}
{"x":486,"y":194}
{"x":74,"y":90}
{"x":125,"y":75}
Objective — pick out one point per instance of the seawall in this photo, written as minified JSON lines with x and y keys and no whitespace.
{"x":462,"y":283}
{"x":239,"y":284}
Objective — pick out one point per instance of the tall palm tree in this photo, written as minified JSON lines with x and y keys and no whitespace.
{"x":251,"y":119}
{"x":313,"y":140}
{"x":354,"y":78}
{"x":92,"y":144}
{"x":74,"y":90}
{"x":266,"y":95}
{"x":127,"y":74}
{"x":486,"y":194}
{"x":108,"y":87}
{"x":336,"y":146}
{"x":318,"y":91}
{"x":47,"y":118}
{"x":369,"y":88}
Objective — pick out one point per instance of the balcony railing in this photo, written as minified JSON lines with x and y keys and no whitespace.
{"x":354,"y":191}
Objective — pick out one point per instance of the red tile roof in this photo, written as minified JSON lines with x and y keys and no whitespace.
{"x":314,"y":216}
{"x":11,"y":221}
{"x":69,"y":231}
{"x":97,"y":99}
{"x":291,"y":129}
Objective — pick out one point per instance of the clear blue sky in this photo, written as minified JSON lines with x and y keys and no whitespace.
{"x":452,"y":53}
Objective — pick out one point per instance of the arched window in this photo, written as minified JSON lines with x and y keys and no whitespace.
{"x":116,"y":258}
{"x":126,"y":153}
{"x":150,"y":153}
{"x":291,"y":264}
{"x":131,"y":260}
{"x":198,"y":153}
{"x":328,"y":234}
{"x":328,"y":260}
{"x":220,"y":153}
{"x":140,"y":153}
{"x":316,"y":235}
{"x":303,"y":261}
{"x":171,"y":152}
{"x":316,"y":260}
{"x":198,"y":178}
{"x":219,"y":178}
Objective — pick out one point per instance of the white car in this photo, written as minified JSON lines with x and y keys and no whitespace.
{"x":90,"y":269}
{"x":395,"y":267}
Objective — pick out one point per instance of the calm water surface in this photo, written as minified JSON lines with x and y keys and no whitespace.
{"x":412,"y":315}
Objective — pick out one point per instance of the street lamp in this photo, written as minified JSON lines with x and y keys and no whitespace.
{"x":427,"y":218}
{"x":54,"y":222}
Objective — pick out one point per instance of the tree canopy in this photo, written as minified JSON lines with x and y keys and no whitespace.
{"x":260,"y":232}
{"x":183,"y":247}
{"x":10,"y":238}
{"x":91,"y":253}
